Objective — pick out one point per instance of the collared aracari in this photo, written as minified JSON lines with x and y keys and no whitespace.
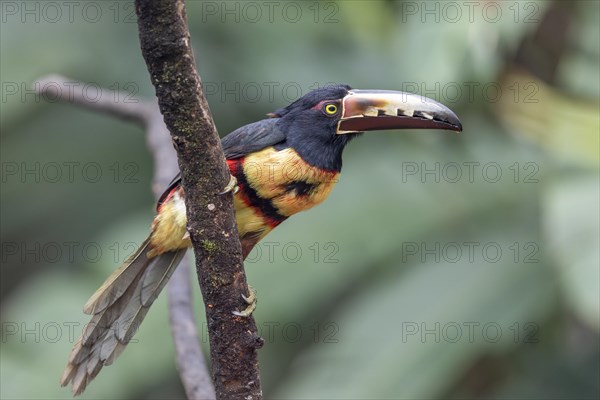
{"x":280,"y":166}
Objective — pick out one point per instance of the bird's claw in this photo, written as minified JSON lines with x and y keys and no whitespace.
{"x":251,"y":301}
{"x":231,"y":186}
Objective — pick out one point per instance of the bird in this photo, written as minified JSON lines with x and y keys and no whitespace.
{"x":281,"y":165}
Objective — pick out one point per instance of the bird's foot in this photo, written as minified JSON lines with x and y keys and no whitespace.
{"x":251,"y":301}
{"x":231,"y":186}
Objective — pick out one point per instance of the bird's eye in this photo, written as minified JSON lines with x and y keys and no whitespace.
{"x":330,"y":109}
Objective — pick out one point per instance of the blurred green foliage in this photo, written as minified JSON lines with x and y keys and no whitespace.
{"x":385,"y":300}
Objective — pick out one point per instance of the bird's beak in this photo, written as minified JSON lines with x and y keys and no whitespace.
{"x":370,"y":110}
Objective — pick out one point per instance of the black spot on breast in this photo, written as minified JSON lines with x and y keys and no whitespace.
{"x":301,"y":188}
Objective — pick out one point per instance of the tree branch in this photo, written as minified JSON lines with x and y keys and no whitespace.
{"x":60,"y":88}
{"x":190,"y":358}
{"x":193,"y":371}
{"x":165,"y":43}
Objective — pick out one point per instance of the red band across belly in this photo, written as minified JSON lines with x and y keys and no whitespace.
{"x":251,"y":198}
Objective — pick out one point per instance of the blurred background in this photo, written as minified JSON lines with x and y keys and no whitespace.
{"x":441,"y":266}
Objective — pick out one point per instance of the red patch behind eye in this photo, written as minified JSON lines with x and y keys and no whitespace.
{"x":319,"y":105}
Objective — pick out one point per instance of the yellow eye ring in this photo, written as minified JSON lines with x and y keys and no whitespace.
{"x":330,"y":109}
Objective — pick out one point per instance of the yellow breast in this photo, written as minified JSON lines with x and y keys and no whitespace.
{"x":273,"y":186}
{"x":287,"y":181}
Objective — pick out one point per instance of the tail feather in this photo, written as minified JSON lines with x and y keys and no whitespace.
{"x":152,"y":281}
{"x":118,"y":308}
{"x":116,"y":284}
{"x":104,"y":320}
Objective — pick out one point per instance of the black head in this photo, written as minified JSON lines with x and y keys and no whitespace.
{"x":310,"y":125}
{"x":320,"y":124}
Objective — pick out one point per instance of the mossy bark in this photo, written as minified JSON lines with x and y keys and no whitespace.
{"x":234,"y":341}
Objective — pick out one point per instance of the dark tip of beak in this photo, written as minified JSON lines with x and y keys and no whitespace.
{"x":444,"y":120}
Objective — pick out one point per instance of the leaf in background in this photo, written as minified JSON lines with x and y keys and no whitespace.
{"x":566,"y":127}
{"x":571,"y":217}
{"x":382,"y":346}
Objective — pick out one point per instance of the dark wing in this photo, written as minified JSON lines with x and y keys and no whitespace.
{"x":245,"y":140}
{"x":251,"y":138}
